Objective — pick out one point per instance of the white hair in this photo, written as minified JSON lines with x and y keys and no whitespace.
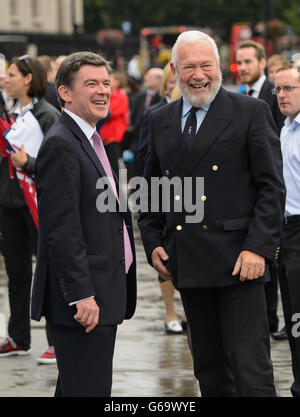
{"x":192,"y":36}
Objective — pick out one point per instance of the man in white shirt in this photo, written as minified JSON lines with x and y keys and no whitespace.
{"x":85,"y":279}
{"x":252,"y":61}
{"x":287,"y":89}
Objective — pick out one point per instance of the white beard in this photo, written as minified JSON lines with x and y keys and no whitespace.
{"x":200,"y":101}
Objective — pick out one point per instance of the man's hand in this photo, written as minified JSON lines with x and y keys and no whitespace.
{"x":87,"y":314}
{"x":159,"y":256}
{"x":250,"y":265}
{"x":20,"y":158}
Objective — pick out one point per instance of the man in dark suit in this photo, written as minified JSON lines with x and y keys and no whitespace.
{"x":139,"y":102}
{"x":49,"y":67}
{"x":85,"y":283}
{"x":252,"y":61}
{"x":217,"y":262}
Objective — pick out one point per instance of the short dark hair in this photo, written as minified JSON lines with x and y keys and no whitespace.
{"x":26,"y":65}
{"x":260,"y":51}
{"x":71,"y":65}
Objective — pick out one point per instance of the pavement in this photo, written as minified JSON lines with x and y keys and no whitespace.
{"x":147,"y":361}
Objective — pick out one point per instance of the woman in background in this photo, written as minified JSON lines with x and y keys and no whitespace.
{"x":26,"y":83}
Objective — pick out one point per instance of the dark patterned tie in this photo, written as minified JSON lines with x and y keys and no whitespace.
{"x":250,"y":92}
{"x":101,"y":153}
{"x":189,"y":131}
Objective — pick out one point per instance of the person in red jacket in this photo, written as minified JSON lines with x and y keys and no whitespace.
{"x":114,"y":128}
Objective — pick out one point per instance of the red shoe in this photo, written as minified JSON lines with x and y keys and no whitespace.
{"x":47,"y":357}
{"x":9,"y":348}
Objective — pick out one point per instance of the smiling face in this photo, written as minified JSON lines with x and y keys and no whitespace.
{"x":197,"y":72}
{"x":90,"y":95}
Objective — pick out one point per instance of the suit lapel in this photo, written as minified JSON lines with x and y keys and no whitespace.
{"x":216,"y":120}
{"x":78,"y":133}
{"x":262,"y":93}
{"x":171,"y":132}
{"x":72,"y":125}
{"x":266,"y":91}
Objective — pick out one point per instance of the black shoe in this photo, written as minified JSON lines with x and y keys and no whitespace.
{"x":281,"y":335}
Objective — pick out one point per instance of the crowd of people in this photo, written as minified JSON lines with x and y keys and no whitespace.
{"x":78,"y":116}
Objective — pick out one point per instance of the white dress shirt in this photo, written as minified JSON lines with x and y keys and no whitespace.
{"x":200,"y":114}
{"x":87,"y":129}
{"x":290,"y":147}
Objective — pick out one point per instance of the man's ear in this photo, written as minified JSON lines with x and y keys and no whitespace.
{"x":64,"y":93}
{"x":173,"y":68}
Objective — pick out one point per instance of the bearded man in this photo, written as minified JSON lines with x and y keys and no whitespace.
{"x":217,"y":262}
{"x":251,"y":59}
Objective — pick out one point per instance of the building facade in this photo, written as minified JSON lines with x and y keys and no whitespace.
{"x":41,"y":16}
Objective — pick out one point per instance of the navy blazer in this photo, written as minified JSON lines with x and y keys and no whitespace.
{"x":80,"y":250}
{"x":266,"y":95}
{"x":237,"y":152}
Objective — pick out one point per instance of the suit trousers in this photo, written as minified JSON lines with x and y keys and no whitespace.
{"x":289,"y":280}
{"x":271,"y":293}
{"x":84,"y":360}
{"x":230,"y":340}
{"x":19,"y":236}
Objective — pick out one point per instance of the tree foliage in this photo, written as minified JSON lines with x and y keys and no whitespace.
{"x":218,"y":14}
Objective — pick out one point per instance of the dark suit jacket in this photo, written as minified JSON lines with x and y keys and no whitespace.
{"x":266,"y":95}
{"x":142,"y":147}
{"x":80,"y":251}
{"x":237,"y":152}
{"x":51,"y":96}
{"x":137,"y":108}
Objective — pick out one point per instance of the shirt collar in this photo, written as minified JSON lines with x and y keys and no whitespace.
{"x":258,"y":84}
{"x":292,"y":124}
{"x":18,"y":110}
{"x":186,"y":107}
{"x":87,"y":129}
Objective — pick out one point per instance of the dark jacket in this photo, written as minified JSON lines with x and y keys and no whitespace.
{"x":137,"y":108}
{"x":266,"y":95}
{"x":143,"y":143}
{"x":80,"y":250}
{"x":237,"y":152}
{"x":51,"y":96}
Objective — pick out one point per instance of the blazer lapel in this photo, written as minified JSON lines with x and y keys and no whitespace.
{"x":216,"y":120}
{"x":171,"y":132}
{"x":266,"y":91}
{"x":65,"y":118}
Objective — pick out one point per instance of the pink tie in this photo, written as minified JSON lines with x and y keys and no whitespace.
{"x":101,"y":153}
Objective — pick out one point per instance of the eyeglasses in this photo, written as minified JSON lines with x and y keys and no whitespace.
{"x":25,"y":59}
{"x":285,"y":88}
